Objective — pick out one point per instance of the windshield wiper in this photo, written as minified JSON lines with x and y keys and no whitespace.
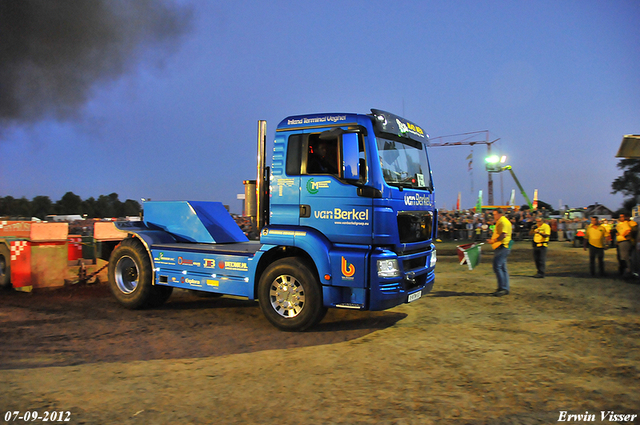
{"x":402,"y":184}
{"x":408,"y":185}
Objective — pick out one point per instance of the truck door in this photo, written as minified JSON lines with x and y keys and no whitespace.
{"x":285,"y":180}
{"x":333,"y":166}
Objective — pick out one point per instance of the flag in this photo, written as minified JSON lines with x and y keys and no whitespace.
{"x":458,"y":203}
{"x":512,"y":201}
{"x":469,"y":254}
{"x":535,"y":199}
{"x":470,"y":159}
{"x":479,"y":203}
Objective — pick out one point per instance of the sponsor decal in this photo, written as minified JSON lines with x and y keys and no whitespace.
{"x":190,"y":281}
{"x":317,"y":120}
{"x":185,"y":262}
{"x":409,"y":128}
{"x":349,"y":217}
{"x":313,"y":187}
{"x":161,"y":259}
{"x":19,"y":226}
{"x":233,"y":266}
{"x":213,"y":283}
{"x":209,"y":264}
{"x":348,"y":269}
{"x":266,"y":232}
{"x":284,"y":183}
{"x":417,"y":199}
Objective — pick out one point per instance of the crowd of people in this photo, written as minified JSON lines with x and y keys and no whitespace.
{"x":500,"y":227}
{"x":467,"y":226}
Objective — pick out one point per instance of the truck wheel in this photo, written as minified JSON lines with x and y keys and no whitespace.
{"x":290,"y":295}
{"x":5,"y":267}
{"x":130,"y":275}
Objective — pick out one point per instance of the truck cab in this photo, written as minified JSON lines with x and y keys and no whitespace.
{"x":358,"y":187}
{"x":346,"y":218}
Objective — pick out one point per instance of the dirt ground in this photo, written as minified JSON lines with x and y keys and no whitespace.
{"x":566,"y":343}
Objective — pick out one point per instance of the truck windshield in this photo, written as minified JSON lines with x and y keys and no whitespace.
{"x":404,"y":163}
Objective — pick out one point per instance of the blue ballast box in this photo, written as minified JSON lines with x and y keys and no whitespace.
{"x":193,"y":221}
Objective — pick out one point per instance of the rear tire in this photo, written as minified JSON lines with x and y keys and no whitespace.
{"x":5,"y":267}
{"x":130,"y":277}
{"x":290,"y":296}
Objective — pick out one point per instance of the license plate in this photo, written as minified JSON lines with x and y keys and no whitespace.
{"x":414,"y":296}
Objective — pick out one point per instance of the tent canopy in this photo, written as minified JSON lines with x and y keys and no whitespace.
{"x":630,"y":147}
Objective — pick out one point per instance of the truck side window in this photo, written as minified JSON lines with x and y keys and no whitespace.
{"x":294,"y":154}
{"x":322,"y":157}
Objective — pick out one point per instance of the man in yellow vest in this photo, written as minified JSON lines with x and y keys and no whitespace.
{"x":596,"y":240}
{"x":541,"y":232}
{"x":626,"y":232}
{"x":500,"y":242}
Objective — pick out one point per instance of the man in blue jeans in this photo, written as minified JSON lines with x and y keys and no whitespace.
{"x":500,"y":241}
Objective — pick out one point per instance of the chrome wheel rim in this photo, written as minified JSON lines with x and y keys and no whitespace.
{"x":287,"y":296}
{"x":126,"y":274}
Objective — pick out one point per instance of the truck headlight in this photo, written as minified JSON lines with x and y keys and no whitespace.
{"x":433,"y":259}
{"x":388,"y":268}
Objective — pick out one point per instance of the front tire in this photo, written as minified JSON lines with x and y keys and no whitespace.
{"x":130,"y":277}
{"x":290,"y":296}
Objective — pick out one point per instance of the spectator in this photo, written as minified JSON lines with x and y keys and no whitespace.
{"x":469,"y":226}
{"x":596,"y":240}
{"x":625,"y":239}
{"x":501,"y":242}
{"x":572,"y":228}
{"x":561,"y":230}
{"x":541,"y":233}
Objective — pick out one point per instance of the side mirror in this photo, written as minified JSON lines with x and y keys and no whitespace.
{"x":350,"y":156}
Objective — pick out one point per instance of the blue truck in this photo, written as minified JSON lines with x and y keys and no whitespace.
{"x":345,"y":215}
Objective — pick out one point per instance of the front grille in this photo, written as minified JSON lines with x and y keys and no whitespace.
{"x":414,"y":226}
{"x":415,"y":263}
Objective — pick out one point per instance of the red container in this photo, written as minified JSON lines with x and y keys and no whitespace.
{"x":75,"y":247}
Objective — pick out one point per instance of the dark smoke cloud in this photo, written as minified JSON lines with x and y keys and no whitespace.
{"x":53,"y":52}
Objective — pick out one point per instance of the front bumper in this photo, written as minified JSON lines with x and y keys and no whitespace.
{"x":416,"y":275}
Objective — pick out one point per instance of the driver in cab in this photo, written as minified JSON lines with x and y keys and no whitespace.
{"x":323,"y":158}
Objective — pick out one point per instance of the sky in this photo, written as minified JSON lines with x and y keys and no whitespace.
{"x":172,"y":114}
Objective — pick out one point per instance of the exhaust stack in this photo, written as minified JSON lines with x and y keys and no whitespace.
{"x":261,"y":180}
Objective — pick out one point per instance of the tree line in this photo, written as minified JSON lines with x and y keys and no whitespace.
{"x":106,"y":206}
{"x":628,"y":183}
